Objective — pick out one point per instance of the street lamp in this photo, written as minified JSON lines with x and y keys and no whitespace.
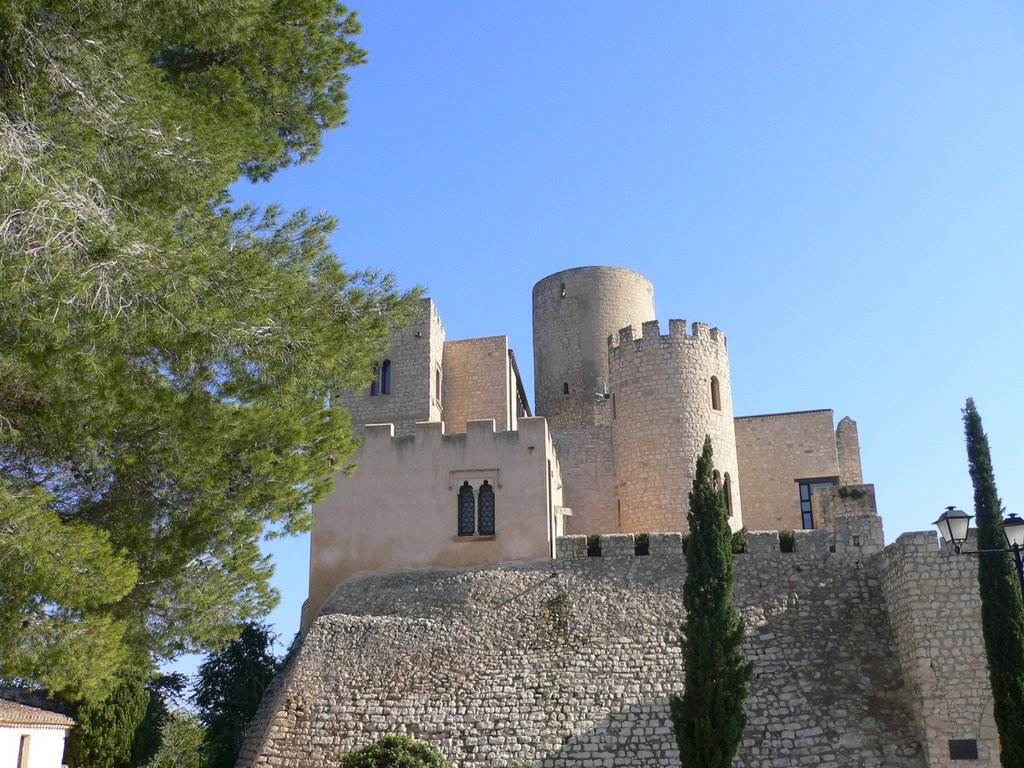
{"x":953,"y":525}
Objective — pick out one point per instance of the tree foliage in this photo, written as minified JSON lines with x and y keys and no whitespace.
{"x":166,"y":355}
{"x":58,"y":582}
{"x":231,"y":684}
{"x":182,"y":742}
{"x":104,"y":730}
{"x":398,"y":751}
{"x":1002,"y":607}
{"x":708,"y":718}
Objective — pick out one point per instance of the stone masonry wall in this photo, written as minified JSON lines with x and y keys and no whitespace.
{"x":934,"y":609}
{"x":663,"y":410}
{"x":588,"y":481}
{"x":574,"y":660}
{"x":573,"y":313}
{"x":848,"y":452}
{"x":413,"y":354}
{"x":476,"y":383}
{"x":774,"y":451}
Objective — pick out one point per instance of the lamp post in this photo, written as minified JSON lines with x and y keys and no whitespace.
{"x":953,"y":525}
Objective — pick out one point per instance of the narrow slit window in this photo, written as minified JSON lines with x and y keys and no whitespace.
{"x":716,"y":394}
{"x":385,"y":377}
{"x":565,"y":387}
{"x":727,"y":487}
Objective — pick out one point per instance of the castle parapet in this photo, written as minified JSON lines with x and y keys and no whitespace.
{"x":650,"y":333}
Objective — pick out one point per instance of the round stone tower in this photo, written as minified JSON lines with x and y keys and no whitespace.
{"x":668,"y":393}
{"x":574,"y":312}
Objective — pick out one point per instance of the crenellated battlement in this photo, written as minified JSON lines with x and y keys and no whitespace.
{"x":650,"y":334}
{"x":376,"y":437}
{"x":813,"y":543}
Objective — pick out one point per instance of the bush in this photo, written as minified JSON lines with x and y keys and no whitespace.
{"x":739,"y":541}
{"x":787,"y":541}
{"x":395,"y":752}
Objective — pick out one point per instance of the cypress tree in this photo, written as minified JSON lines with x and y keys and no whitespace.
{"x":1002,"y":608}
{"x":708,"y":718}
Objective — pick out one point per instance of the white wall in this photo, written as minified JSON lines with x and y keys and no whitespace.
{"x":46,"y":746}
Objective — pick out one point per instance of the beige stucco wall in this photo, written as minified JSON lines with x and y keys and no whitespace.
{"x":477,"y":384}
{"x":775,"y":450}
{"x":399,"y":508}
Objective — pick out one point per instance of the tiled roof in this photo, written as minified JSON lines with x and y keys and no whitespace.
{"x":12,"y":713}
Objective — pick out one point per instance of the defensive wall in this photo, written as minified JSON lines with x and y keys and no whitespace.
{"x":574,"y":659}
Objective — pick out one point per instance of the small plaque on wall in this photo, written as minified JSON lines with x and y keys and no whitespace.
{"x":963,"y":749}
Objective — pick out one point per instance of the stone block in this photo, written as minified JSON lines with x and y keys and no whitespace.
{"x":814,"y":542}
{"x":617,"y":545}
{"x":665,"y":543}
{"x":763,"y":543}
{"x":570,"y":547}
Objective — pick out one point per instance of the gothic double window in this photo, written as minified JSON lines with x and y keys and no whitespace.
{"x":476,"y":510}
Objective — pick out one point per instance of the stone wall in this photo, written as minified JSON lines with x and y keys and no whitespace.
{"x":574,"y":311}
{"x":663,"y":410}
{"x":414,"y":357}
{"x":476,"y":383}
{"x":848,"y":452}
{"x":574,"y":660}
{"x":588,"y":478}
{"x":775,"y":450}
{"x":935,"y":610}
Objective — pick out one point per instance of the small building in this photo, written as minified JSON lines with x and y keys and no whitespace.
{"x":31,"y":737}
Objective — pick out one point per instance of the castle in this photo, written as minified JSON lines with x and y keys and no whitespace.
{"x":622,"y":412}
{"x":454,"y":594}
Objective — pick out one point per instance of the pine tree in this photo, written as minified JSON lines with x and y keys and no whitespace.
{"x":166,"y":355}
{"x":708,"y":718}
{"x":1002,"y":607}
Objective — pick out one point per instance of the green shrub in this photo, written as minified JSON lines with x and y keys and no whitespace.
{"x":787,"y":541}
{"x":642,"y":544}
{"x":739,"y":541}
{"x":398,"y":751}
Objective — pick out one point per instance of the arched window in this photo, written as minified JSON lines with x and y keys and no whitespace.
{"x":717,"y":479}
{"x":467,"y":510}
{"x":728,"y":493}
{"x":716,"y":395}
{"x":486,"y":509}
{"x":385,"y":377}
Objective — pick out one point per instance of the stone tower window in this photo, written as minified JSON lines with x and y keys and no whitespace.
{"x":486,"y":509}
{"x":381,"y":379}
{"x":565,"y":387}
{"x":716,"y":395}
{"x":717,"y":478}
{"x":727,"y":487}
{"x":467,"y":510}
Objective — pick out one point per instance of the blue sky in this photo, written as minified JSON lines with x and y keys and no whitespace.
{"x":838,"y":186}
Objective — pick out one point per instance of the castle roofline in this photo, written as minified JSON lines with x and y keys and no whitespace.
{"x":784,"y":413}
